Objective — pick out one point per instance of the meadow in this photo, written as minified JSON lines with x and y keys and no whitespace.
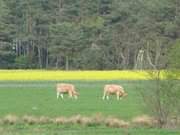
{"x":32,"y":93}
{"x":38,"y":98}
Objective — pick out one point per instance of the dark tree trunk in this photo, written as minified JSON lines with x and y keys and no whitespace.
{"x":67,"y":63}
{"x":39,"y":57}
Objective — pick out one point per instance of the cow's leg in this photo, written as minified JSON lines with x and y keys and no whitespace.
{"x":104,"y":96}
{"x":61,"y":95}
{"x":120,"y":95}
{"x":117,"y":96}
{"x":57,"y":95}
{"x":70,"y":94}
{"x":107,"y":97}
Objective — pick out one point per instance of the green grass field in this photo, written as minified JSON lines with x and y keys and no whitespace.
{"x":38,"y":98}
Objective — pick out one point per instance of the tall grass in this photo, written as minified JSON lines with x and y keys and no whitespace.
{"x":92,"y":121}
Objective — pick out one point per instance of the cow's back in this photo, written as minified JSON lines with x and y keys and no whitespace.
{"x":111,"y":88}
{"x":63,"y":87}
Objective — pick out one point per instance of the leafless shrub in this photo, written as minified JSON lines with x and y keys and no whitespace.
{"x":97,"y":119}
{"x":10,"y":119}
{"x":44,"y":120}
{"x":86,"y":121}
{"x":30,"y":120}
{"x":114,"y":122}
{"x":60,"y":120}
{"x":144,"y":120}
{"x":1,"y":130}
{"x":78,"y":119}
{"x":162,"y":96}
{"x":173,"y":123}
{"x":1,"y":121}
{"x":75,"y":119}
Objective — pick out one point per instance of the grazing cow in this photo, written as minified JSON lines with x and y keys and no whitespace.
{"x":64,"y":88}
{"x":110,"y":89}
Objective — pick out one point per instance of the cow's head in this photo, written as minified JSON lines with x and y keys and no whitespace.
{"x":76,"y":94}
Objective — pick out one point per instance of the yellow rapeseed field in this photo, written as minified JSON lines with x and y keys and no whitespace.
{"x":73,"y":75}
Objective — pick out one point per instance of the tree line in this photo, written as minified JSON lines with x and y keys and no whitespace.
{"x":89,"y":34}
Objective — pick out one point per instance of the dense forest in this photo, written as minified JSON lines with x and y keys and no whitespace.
{"x":88,"y":34}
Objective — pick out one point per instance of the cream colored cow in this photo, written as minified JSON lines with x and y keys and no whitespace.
{"x":64,"y":88}
{"x":111,"y":89}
